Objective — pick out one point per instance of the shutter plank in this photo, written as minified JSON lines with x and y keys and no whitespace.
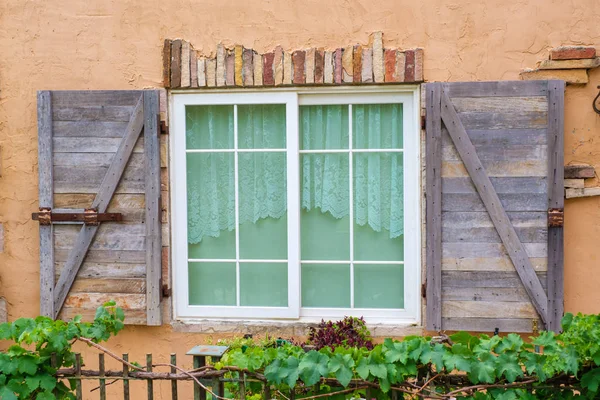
{"x":107,"y":188}
{"x":92,"y":129}
{"x":510,"y":202}
{"x":108,"y":256}
{"x":98,"y":113}
{"x":531,"y":168}
{"x":500,"y":105}
{"x":501,"y":185}
{"x":516,"y":294}
{"x":488,"y":324}
{"x":434,"y":207}
{"x":515,"y":249}
{"x":497,"y":89}
{"x":46,"y":193}
{"x":479,"y":279}
{"x":108,"y":270}
{"x":499,"y":264}
{"x":107,"y":285}
{"x":94,"y":160}
{"x":91,"y":145}
{"x":153,"y":227}
{"x":488,"y":309}
{"x":504,"y":137}
{"x":132,"y":317}
{"x":94,"y":98}
{"x":556,"y":90}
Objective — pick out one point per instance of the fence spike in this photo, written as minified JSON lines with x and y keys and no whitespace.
{"x":173,"y":382}
{"x":78,"y":388}
{"x":125,"y":378}
{"x":150,"y":382}
{"x":102,"y":381}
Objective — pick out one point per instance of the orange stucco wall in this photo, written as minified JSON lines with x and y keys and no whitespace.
{"x":115,"y":44}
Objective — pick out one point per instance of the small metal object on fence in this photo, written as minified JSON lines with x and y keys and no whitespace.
{"x":199,"y":354}
{"x":150,"y":383}
{"x":126,"y":378}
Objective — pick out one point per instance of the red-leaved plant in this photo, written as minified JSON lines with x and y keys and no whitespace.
{"x":350,"y":332}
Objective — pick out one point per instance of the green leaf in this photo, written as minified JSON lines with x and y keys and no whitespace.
{"x":291,"y":370}
{"x":483,"y":370}
{"x":274,"y":372}
{"x":46,"y":395}
{"x":341,"y":366}
{"x":458,"y":359}
{"x":591,"y":380}
{"x":27,"y":365}
{"x":5,"y":331}
{"x":47,"y":382}
{"x":508,"y":365}
{"x":378,"y":370}
{"x":465,"y":338}
{"x":545,"y":338}
{"x":566,"y":322}
{"x":362,"y":369}
{"x":312,"y":367}
{"x":7,"y":394}
{"x":512,"y":342}
{"x":384,"y":385}
{"x":32,"y":382}
{"x":435,"y":355}
{"x":396,"y":352}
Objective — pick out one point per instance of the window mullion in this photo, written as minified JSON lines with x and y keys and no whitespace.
{"x":236,"y":205}
{"x":351,"y":205}
{"x":293,"y":203}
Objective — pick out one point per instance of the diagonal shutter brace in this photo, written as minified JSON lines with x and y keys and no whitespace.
{"x":90,"y":216}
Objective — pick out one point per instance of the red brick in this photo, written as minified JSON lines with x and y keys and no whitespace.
{"x":337,"y":65}
{"x":409,"y":72}
{"x":268,"y":79}
{"x":572,"y":53}
{"x":389,"y":61}
{"x":357,"y":61}
{"x":319,"y":65}
{"x":298,"y":59}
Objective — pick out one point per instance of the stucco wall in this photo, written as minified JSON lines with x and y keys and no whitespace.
{"x":114,"y":44}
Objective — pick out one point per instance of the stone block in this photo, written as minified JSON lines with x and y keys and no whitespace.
{"x":389,"y":57}
{"x":257,"y":68}
{"x":409,"y":69}
{"x":319,"y":65}
{"x":221,"y":71}
{"x":574,"y":183}
{"x":288,"y":70}
{"x":418,"y":65}
{"x":337,"y":66}
{"x":230,"y":68}
{"x":278,"y":66}
{"x":194,"y":68}
{"x":328,"y":67}
{"x":268,"y":78}
{"x":400,"y":66}
{"x":378,"y":69}
{"x":579,"y":171}
{"x":348,"y":64}
{"x":211,"y":72}
{"x":572,"y":76}
{"x":357,"y":63}
{"x":247,"y":67}
{"x":239,"y":63}
{"x":367,"y":65}
{"x":298,"y":59}
{"x":309,"y":66}
{"x":185,"y":64}
{"x":201,"y":71}
{"x":586,"y":63}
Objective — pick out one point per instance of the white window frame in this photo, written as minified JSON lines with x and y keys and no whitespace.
{"x":293,"y":98}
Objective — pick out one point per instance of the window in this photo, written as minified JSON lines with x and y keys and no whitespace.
{"x":296,"y":205}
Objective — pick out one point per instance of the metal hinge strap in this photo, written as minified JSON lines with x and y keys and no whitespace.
{"x":90,"y":216}
{"x":556,"y":217}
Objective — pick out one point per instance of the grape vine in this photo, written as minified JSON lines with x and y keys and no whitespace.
{"x":42,"y":346}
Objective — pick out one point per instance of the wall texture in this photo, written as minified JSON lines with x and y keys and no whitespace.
{"x":117,"y":45}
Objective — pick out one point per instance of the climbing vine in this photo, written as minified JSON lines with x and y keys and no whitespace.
{"x":460,"y":366}
{"x":42,"y":346}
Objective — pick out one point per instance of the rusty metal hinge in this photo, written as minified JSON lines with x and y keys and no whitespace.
{"x":556,"y":217}
{"x":164,"y":129}
{"x":423,"y":122}
{"x":166,"y":291}
{"x":424,"y":290}
{"x":89,"y":216}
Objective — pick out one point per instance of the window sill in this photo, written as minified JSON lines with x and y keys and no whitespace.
{"x":285,"y":329}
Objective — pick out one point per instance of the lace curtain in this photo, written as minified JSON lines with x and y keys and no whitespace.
{"x":377,"y":177}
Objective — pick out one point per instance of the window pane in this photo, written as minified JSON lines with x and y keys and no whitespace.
{"x":324,"y":127}
{"x":378,"y":286}
{"x":324,"y":219}
{"x":211,"y":202}
{"x":263,"y":205}
{"x":378,"y":207}
{"x":261,"y":126}
{"x":212,"y":284}
{"x":377,"y":126}
{"x":326,"y":285}
{"x":209,"y":127}
{"x":264,"y":284}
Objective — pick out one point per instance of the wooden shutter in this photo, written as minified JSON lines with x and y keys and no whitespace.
{"x":100,"y":150}
{"x":494,"y":170}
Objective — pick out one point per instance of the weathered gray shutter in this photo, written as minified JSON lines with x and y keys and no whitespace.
{"x":100,"y":150}
{"x":494,"y":168}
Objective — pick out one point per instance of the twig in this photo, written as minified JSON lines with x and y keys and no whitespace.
{"x":109,"y":383}
{"x":283,"y":395}
{"x":477,"y":387}
{"x":113,"y":355}
{"x":426,"y":383}
{"x":318,"y":396}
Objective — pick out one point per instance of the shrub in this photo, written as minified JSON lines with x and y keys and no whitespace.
{"x":350,"y":332}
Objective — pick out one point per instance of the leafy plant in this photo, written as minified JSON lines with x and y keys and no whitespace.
{"x":461,"y":366}
{"x":350,"y":331}
{"x":42,"y":346}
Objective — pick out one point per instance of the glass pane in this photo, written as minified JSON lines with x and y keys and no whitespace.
{"x":326,"y":285}
{"x":209,"y":127}
{"x":261,"y":126}
{"x":263,"y":205}
{"x":324,"y":127}
{"x":264,"y":284}
{"x":212,"y":284}
{"x":378,"y":286}
{"x":377,"y":126}
{"x":378,"y":207}
{"x":324,"y":220}
{"x":211,"y":202}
